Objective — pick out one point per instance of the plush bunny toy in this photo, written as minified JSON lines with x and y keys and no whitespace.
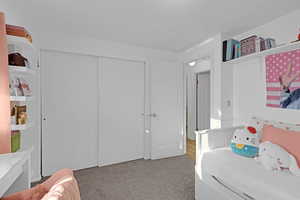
{"x":274,"y":157}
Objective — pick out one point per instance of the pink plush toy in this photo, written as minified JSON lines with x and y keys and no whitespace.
{"x":60,"y":186}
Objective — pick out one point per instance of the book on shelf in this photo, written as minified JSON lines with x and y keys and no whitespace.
{"x":19,"y":86}
{"x":21,"y":115}
{"x":14,"y":86}
{"x":25,"y":88}
{"x":13,"y":113}
{"x":18,"y":114}
{"x":270,"y":43}
{"x":15,"y":141}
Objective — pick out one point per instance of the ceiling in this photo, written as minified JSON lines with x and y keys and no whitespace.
{"x":161,"y":24}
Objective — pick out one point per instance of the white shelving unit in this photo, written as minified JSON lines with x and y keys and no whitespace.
{"x":19,"y":41}
{"x":22,"y":127}
{"x":30,"y":132}
{"x":17,"y":69}
{"x":21,"y":98}
{"x":228,"y":68}
{"x":280,"y":48}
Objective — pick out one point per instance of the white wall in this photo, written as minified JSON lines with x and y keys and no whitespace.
{"x":210,"y":49}
{"x":249,"y":77}
{"x":81,"y":45}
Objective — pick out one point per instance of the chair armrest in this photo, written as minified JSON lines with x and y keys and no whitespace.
{"x":210,"y":139}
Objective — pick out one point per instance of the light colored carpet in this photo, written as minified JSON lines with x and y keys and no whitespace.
{"x":165,"y":179}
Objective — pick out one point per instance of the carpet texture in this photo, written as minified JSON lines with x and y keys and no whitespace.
{"x":165,"y":179}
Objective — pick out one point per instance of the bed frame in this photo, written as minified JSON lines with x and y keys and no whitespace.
{"x":214,"y":189}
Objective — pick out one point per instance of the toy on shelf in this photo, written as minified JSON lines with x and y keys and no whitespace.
{"x":299,"y":35}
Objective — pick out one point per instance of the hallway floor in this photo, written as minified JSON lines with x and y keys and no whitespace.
{"x":191,"y":149}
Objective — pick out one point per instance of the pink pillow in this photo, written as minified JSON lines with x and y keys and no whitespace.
{"x":289,"y":140}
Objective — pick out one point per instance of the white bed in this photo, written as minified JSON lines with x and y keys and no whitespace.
{"x":246,"y":176}
{"x":223,"y":175}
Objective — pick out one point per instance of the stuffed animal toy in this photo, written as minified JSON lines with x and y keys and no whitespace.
{"x":245,"y":142}
{"x":275,"y":158}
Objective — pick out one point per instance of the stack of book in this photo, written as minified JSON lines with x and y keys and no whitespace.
{"x":233,"y":49}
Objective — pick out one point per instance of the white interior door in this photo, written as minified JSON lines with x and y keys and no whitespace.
{"x":203,"y":101}
{"x":122,"y":103}
{"x":70,"y":99}
{"x":166,"y":110}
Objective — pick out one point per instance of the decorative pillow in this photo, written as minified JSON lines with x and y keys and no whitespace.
{"x":289,"y":140}
{"x":274,"y":157}
{"x":245,"y":142}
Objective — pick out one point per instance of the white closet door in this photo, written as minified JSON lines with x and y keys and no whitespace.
{"x":70,"y":99}
{"x":167,"y":109}
{"x":121,"y":124}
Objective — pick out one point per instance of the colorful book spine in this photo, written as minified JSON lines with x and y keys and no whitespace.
{"x":239,"y":50}
{"x":230,"y":49}
{"x":234,"y":49}
{"x":224,"y":50}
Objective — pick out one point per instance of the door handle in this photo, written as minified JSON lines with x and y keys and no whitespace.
{"x":153,"y":115}
{"x":150,"y":115}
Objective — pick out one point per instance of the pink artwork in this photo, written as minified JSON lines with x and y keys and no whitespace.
{"x":283,"y":80}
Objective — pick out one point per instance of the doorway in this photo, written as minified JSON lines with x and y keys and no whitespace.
{"x":198,"y":106}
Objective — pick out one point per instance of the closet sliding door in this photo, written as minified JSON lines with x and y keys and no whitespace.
{"x":69,"y":109}
{"x":121,"y":110}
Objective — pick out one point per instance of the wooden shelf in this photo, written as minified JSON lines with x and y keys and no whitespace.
{"x":18,"y":69}
{"x":281,"y":48}
{"x":20,"y":127}
{"x":20,"y":98}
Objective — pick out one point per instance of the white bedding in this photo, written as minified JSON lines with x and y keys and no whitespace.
{"x":249,"y":176}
